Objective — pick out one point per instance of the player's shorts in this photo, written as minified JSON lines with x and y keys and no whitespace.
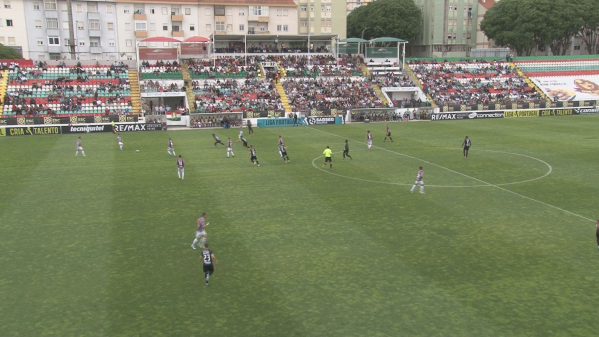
{"x":240,"y":134}
{"x":200,"y":233}
{"x":253,"y":158}
{"x":370,"y":143}
{"x":209,"y":268}
{"x":283,"y":153}
{"x":79,"y":148}
{"x":388,"y":134}
{"x":328,"y":159}
{"x":229,"y":149}
{"x":419,"y":182}
{"x":120,"y":143}
{"x":466,"y":148}
{"x":181,"y":169}
{"x":170,"y":149}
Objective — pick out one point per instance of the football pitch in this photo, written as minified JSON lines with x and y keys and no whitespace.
{"x":500,"y":244}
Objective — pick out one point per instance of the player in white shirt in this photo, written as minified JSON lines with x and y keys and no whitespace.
{"x":181,"y":167}
{"x":369,"y":139}
{"x":419,"y":181}
{"x":119,"y":140}
{"x":240,"y":132}
{"x":79,"y":147}
{"x":171,"y":148}
{"x":230,"y":148}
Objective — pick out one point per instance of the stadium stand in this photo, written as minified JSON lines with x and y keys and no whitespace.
{"x":472,"y":82}
{"x":235,"y":95}
{"x":44,"y":89}
{"x":567,"y":78}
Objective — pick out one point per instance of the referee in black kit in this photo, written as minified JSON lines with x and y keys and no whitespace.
{"x":466,"y":145}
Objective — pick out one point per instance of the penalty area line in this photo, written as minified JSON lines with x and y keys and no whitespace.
{"x":462,"y":174}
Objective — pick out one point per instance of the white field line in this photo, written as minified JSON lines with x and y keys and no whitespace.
{"x":465,"y":175}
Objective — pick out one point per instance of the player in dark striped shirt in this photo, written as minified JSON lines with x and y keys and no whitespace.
{"x":346,"y":150}
{"x":466,"y":145}
{"x":216,"y":140}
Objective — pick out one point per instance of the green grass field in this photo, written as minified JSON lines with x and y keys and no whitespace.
{"x":501,"y":244}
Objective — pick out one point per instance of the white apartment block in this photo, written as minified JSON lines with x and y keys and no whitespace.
{"x":111,"y":29}
{"x":13,"y":30}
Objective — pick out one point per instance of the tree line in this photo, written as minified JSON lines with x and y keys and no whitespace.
{"x":525,"y":25}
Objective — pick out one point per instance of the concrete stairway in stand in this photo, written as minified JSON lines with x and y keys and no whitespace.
{"x":3,"y":85}
{"x":135,"y":95}
{"x":281,"y":90}
{"x":189,"y":87}
{"x":530,"y":82}
{"x":380,"y":95}
{"x":416,"y":80}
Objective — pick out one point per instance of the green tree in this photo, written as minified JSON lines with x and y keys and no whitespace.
{"x":393,"y":18}
{"x":527,"y":24}
{"x":589,"y":33}
{"x":8,"y":53}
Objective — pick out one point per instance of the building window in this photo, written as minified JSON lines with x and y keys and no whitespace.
{"x":80,"y":25}
{"x":187,"y":11}
{"x":241,"y":12}
{"x":311,"y":8}
{"x":52,"y":23}
{"x":9,"y":23}
{"x":328,"y":7}
{"x":40,"y":42}
{"x":79,"y":8}
{"x":152,"y":27}
{"x":303,"y":8}
{"x":304,"y":24}
{"x":38,"y":24}
{"x":7,"y":4}
{"x":241,"y":27}
{"x":11,"y":41}
{"x":50,"y":5}
{"x":469,"y":35}
{"x":328,"y":22}
{"x":229,"y":12}
{"x":2,"y":39}
{"x":127,"y":10}
{"x":322,"y":7}
{"x":152,"y":11}
{"x":176,"y":28}
{"x":53,"y":41}
{"x":36,"y":6}
{"x":251,"y":30}
{"x":109,"y":9}
{"x":279,"y":12}
{"x":110,"y":26}
{"x":129,"y":58}
{"x":164,"y":11}
{"x":82,"y":43}
{"x":262,"y":28}
{"x":192,"y":28}
{"x":141,"y":26}
{"x":259,"y":10}
{"x":164,"y":27}
{"x":220,"y":26}
{"x":129,"y":43}
{"x":576,"y":47}
{"x":65,"y":25}
{"x":285,"y":28}
{"x":219,"y":10}
{"x":208,"y":28}
{"x":94,"y":25}
{"x":208,"y":12}
{"x":92,"y":8}
{"x":279,"y":28}
{"x":95,"y":42}
{"x":111,"y":43}
{"x":127,"y":26}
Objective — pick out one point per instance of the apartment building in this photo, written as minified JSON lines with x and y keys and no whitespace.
{"x":353,"y":4}
{"x":318,"y":17}
{"x":13,"y":30}
{"x":185,"y":18}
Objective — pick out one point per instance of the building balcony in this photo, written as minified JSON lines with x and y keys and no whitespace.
{"x":177,"y":18}
{"x":141,"y":33}
{"x":54,"y":49}
{"x":303,"y":15}
{"x":256,"y":18}
{"x":95,"y":50}
{"x":95,"y":33}
{"x":93,"y":16}
{"x":140,"y":17}
{"x":221,"y":32}
{"x":264,"y":32}
{"x":178,"y":34}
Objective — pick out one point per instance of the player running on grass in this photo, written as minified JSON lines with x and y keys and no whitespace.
{"x":170,"y":148}
{"x":369,"y":139}
{"x":419,"y":181}
{"x":119,"y":140}
{"x":208,"y":261}
{"x":253,"y":157}
{"x":216,"y":140}
{"x":230,"y":148}
{"x":388,"y":134}
{"x":346,"y":150}
{"x":200,"y":232}
{"x":79,"y":147}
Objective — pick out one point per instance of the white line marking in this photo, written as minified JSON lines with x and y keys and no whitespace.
{"x":462,"y":174}
{"x":444,"y":186}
